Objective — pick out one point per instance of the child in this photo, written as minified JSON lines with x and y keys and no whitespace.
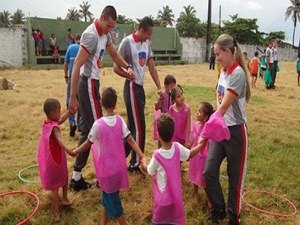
{"x":197,"y":163}
{"x":263,"y":65}
{"x":165,"y":169}
{"x":106,"y":138}
{"x":163,"y":103}
{"x":181,"y":113}
{"x":298,"y":68}
{"x":52,"y":161}
{"x":254,"y":65}
{"x":56,"y":54}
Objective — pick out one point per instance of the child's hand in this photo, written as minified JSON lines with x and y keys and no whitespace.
{"x":187,"y":144}
{"x":71,"y":152}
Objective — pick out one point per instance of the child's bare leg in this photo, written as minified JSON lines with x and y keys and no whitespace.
{"x":121,"y":220}
{"x":56,"y":204}
{"x":104,"y":216}
{"x":65,"y":200}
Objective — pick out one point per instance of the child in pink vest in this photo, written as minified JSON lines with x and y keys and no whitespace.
{"x":197,"y":163}
{"x":52,"y":160}
{"x":165,"y":169}
{"x":106,"y":142}
{"x":164,"y":102}
{"x":181,"y":114}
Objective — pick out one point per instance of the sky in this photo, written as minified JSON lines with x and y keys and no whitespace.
{"x":270,"y":14}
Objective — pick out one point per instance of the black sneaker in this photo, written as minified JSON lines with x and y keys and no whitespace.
{"x":233,"y":223}
{"x":72,"y":130}
{"x":79,"y":185}
{"x":132,"y":168}
{"x":217,"y":215}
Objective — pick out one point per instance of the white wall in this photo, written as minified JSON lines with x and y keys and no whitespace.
{"x":193,"y":50}
{"x":13,"y":46}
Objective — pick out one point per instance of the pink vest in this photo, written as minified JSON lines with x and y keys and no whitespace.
{"x":110,"y":162}
{"x":166,"y":103}
{"x":180,"y":122}
{"x":52,"y":160}
{"x":168,"y":205}
{"x":197,"y":163}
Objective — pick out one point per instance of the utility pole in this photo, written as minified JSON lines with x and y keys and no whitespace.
{"x":208,"y":31}
{"x":220,"y":17}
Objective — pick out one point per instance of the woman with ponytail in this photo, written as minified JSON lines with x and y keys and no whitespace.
{"x":233,"y":91}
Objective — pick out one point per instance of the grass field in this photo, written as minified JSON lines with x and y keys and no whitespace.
{"x":273,"y":157}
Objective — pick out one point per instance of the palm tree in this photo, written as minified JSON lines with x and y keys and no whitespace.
{"x":294,"y":12}
{"x":18,"y":17}
{"x":188,"y":11}
{"x":84,"y":11}
{"x":73,"y":14}
{"x":166,"y":16}
{"x":4,"y":19}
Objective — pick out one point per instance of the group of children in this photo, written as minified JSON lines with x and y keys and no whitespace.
{"x":179,"y":140}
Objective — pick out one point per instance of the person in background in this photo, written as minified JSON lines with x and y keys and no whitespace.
{"x":70,"y":37}
{"x":245,"y":56}
{"x":254,"y":67}
{"x":52,"y":42}
{"x":263,"y":64}
{"x":298,"y":68}
{"x":212,"y":59}
{"x":270,"y":64}
{"x":68,"y":67}
{"x":55,"y":54}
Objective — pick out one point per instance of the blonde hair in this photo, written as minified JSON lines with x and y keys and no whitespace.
{"x":225,"y":41}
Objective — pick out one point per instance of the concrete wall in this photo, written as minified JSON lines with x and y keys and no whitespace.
{"x":13,"y":46}
{"x":193,"y":50}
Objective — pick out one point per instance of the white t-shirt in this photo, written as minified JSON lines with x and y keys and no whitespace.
{"x":110,"y":121}
{"x":155,"y":167}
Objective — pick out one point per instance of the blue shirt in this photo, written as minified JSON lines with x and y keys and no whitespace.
{"x":70,"y":57}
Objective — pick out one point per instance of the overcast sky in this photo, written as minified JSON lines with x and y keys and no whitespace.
{"x":270,"y":14}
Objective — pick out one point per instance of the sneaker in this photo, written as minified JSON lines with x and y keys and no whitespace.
{"x":72,"y":130}
{"x":216,"y":216}
{"x":79,"y":185}
{"x":132,"y":168}
{"x":233,"y":223}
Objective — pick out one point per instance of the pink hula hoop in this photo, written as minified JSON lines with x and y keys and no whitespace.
{"x":274,"y":214}
{"x":28,"y":193}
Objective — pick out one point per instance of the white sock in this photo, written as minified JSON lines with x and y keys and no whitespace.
{"x":76,"y":175}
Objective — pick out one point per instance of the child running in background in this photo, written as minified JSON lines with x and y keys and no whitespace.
{"x":106,"y":139}
{"x":197,"y":163}
{"x":298,"y":68}
{"x":254,"y":66}
{"x":163,"y":103}
{"x":52,"y":160}
{"x":165,"y":169}
{"x":181,"y":113}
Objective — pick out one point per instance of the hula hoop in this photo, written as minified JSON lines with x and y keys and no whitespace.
{"x":26,"y":168}
{"x":274,"y":214}
{"x":28,"y":193}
